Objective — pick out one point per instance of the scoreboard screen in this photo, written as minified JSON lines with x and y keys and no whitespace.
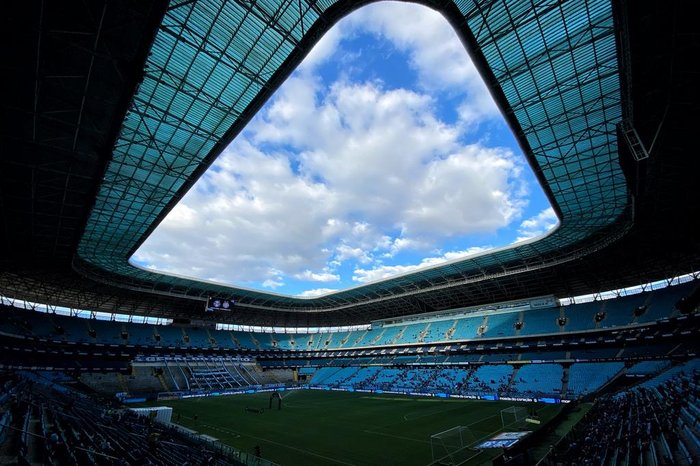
{"x":219,"y":304}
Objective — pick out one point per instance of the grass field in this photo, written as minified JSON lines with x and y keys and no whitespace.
{"x":340,"y":428}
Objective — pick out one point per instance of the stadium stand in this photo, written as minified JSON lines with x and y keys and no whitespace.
{"x":654,"y":423}
{"x":589,"y":377}
{"x":581,"y":316}
{"x":77,"y":430}
{"x":199,"y":337}
{"x":141,"y":334}
{"x":540,"y":321}
{"x":483,"y":367}
{"x":648,"y":367}
{"x":488,"y":379}
{"x":621,"y":311}
{"x":171,"y":336}
{"x":499,"y":325}
{"x":113,"y":113}
{"x":465,"y":328}
{"x":217,"y":378}
{"x":537,"y":380}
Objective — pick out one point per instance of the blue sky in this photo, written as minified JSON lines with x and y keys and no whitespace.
{"x":382,"y":153}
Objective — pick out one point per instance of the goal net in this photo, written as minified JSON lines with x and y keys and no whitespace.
{"x":513,"y":416}
{"x":452,"y":446}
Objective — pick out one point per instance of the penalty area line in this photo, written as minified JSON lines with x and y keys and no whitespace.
{"x":395,"y":436}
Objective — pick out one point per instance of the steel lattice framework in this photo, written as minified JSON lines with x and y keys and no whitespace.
{"x":112,"y":111}
{"x":213,"y":63}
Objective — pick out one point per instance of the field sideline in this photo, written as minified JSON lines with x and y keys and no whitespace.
{"x":340,"y":428}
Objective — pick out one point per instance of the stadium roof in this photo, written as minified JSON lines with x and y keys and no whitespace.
{"x":118,"y":109}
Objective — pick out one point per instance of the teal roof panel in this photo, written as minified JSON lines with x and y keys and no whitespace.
{"x":552,"y":66}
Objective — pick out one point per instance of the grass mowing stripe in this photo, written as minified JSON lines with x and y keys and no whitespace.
{"x":239,"y":435}
{"x":407,"y":417}
{"x":339,"y":428}
{"x":301,"y":450}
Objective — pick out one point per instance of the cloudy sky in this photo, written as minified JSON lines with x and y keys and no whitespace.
{"x":383,"y":153}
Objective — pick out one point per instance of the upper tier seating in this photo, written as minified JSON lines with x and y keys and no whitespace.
{"x":141,"y":334}
{"x":540,"y":321}
{"x":581,"y":316}
{"x":640,"y":308}
{"x":500,"y":325}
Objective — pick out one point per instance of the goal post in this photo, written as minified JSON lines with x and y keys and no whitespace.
{"x":452,"y":446}
{"x":513,"y":416}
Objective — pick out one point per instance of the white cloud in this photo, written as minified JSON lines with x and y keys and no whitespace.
{"x":346,"y":176}
{"x":385,"y":271}
{"x":244,"y":218}
{"x":472,"y":251}
{"x":316,"y":292}
{"x":386,"y":154}
{"x":403,"y":244}
{"x":308,"y":275}
{"x":538,"y":225}
{"x":467,"y":192}
{"x":272,"y":283}
{"x":324,"y":49}
{"x":345,"y":252}
{"x":435,"y":52}
{"x":434,"y":49}
{"x":357,"y":173}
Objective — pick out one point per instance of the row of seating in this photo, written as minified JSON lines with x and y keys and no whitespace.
{"x":179,"y":374}
{"x":486,"y":355}
{"x":528,"y":380}
{"x":533,"y":379}
{"x":48,"y":426}
{"x":655,"y":423}
{"x":640,"y":308}
{"x":586,"y":378}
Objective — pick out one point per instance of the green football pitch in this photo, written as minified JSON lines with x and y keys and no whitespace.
{"x":340,"y":428}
